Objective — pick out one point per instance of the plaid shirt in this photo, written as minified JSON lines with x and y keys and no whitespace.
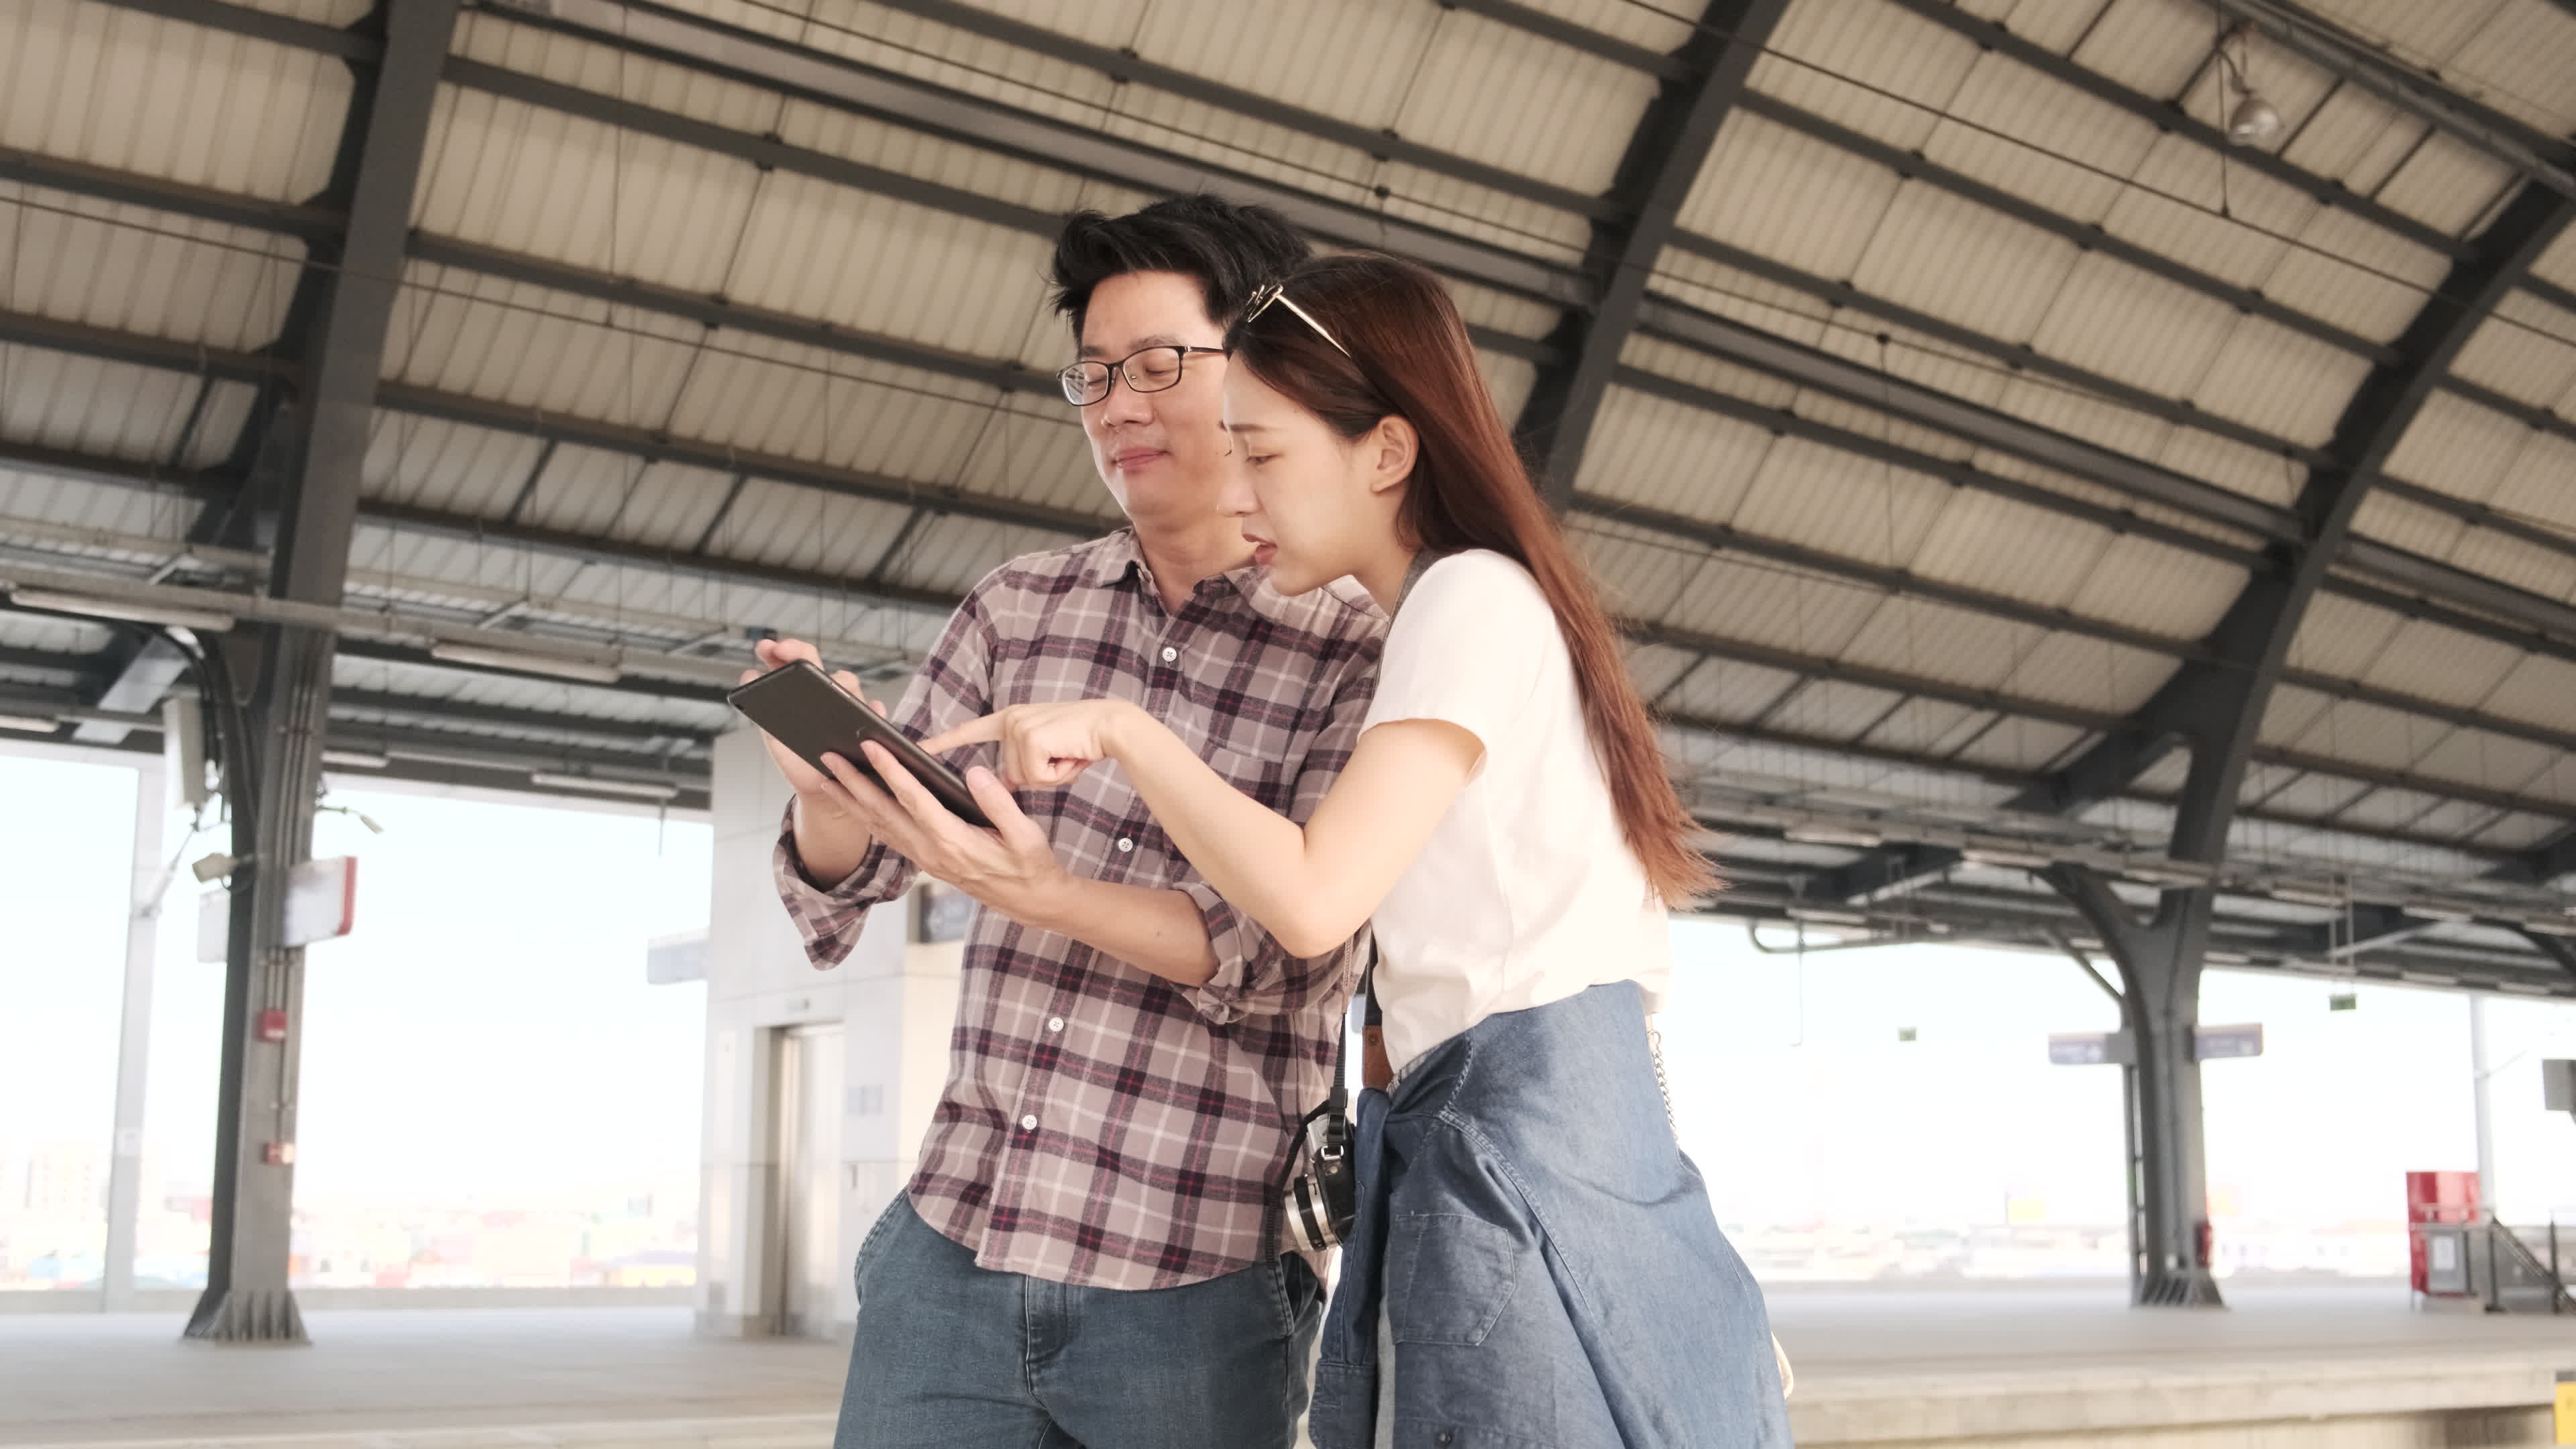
{"x":1102,"y":1126}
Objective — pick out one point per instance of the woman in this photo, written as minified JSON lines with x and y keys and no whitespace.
{"x":1548,"y":1260}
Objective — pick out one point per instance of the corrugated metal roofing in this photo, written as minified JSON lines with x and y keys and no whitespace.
{"x":2457,"y":447}
{"x":164,"y":98}
{"x":255,"y":119}
{"x":106,"y":409}
{"x":2527,"y":351}
{"x":2018,"y":743}
{"x":1786,"y":196}
{"x":449,"y":466}
{"x":130,"y":269}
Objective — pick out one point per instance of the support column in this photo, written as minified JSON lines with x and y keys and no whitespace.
{"x":2482,"y":1089}
{"x":2160,"y":965}
{"x":273,"y":755}
{"x":134,"y":1036}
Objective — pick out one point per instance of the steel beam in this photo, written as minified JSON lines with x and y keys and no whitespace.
{"x":304,"y":221}
{"x":2562,"y":298}
{"x":2543,"y":863}
{"x":247,"y":1298}
{"x":1663,"y":160}
{"x":137,"y":688}
{"x":2369,"y":926}
{"x":2557,"y":948}
{"x":2435,"y":580}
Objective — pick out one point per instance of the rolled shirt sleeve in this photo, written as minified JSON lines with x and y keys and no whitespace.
{"x":953,"y":686}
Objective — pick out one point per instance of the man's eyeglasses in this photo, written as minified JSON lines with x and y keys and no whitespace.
{"x":1148,"y":369}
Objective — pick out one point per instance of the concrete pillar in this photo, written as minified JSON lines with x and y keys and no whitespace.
{"x":894,"y":1004}
{"x":2482,"y":1085}
{"x":134,"y":1034}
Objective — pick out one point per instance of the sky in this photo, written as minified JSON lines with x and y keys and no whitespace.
{"x":486,"y":1034}
{"x":486,"y":1029}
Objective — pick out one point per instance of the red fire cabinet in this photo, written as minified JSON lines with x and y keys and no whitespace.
{"x":2441,"y":1210}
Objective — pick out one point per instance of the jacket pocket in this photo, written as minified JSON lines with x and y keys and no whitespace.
{"x":1449,"y":1277}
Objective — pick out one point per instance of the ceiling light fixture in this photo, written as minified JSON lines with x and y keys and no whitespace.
{"x":2252,"y":119}
{"x":2174,"y":874}
{"x":1833,"y":835}
{"x":132,"y":611}
{"x":2006,"y":858}
{"x":34,"y":724}
{"x":559,"y":666}
{"x":637,"y":789}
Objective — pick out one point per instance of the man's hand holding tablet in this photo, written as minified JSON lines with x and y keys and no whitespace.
{"x":859,"y":780}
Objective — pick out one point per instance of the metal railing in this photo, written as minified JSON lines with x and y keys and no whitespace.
{"x":2522,"y":1264}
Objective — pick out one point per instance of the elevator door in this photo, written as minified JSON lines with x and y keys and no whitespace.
{"x":809,"y":1135}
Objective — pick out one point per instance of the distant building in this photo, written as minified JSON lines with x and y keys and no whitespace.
{"x":65,"y":1180}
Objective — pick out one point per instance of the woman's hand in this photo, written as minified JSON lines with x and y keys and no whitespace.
{"x":1044,"y":746}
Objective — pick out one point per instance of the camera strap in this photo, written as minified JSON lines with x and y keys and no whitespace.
{"x":1337,"y":1098}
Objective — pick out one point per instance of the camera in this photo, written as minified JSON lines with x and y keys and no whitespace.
{"x":1322,"y":1200}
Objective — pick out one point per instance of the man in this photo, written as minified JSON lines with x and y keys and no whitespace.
{"x":1091,"y":1251}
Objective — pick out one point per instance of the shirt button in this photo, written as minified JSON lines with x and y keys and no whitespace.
{"x":1029,"y":1124}
{"x":1055,"y":1023}
{"x":1170,"y":654}
{"x":1125,"y":845}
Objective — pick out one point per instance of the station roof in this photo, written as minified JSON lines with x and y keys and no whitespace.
{"x":1948,"y":406}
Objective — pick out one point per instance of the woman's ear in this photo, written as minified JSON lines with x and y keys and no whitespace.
{"x":1390,"y":450}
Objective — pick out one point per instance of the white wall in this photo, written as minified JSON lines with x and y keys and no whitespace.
{"x":895,"y":1003}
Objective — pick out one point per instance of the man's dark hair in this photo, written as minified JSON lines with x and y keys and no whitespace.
{"x":1230,"y":249}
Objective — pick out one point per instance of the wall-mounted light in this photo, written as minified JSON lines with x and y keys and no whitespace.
{"x":211,"y":868}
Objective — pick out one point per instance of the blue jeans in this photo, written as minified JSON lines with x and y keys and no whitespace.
{"x":1545,"y":1256}
{"x":952,"y":1356}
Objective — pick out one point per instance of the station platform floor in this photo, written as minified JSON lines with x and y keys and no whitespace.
{"x":1968,"y":1364}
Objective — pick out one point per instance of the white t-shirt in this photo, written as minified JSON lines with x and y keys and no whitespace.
{"x":1527,"y":892}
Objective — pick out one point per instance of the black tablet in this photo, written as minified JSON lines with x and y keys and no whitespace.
{"x":804,"y":710}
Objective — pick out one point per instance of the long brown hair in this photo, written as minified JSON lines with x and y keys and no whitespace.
{"x":1410,"y":356}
